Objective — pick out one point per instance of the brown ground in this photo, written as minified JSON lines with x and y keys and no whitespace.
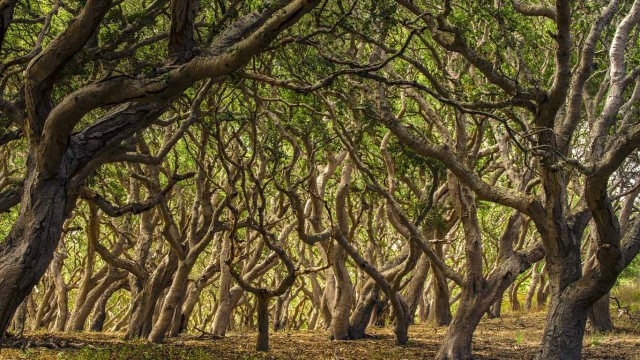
{"x":514,"y":337}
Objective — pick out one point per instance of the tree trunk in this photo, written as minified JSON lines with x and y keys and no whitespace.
{"x":79,"y":317}
{"x":457,"y":344}
{"x":193,"y":293}
{"x":263,"y":323}
{"x":145,"y":298}
{"x":564,"y":331}
{"x":28,"y":249}
{"x":178,"y":316}
{"x":61,"y":290}
{"x":495,"y":311}
{"x":600,"y":316}
{"x":20,"y":319}
{"x":403,"y":320}
{"x":543,"y":291}
{"x":328,"y":299}
{"x":42,"y":309}
{"x":281,"y":311}
{"x":171,"y":301}
{"x":535,"y":279}
{"x":425,"y":307}
{"x":362,"y":314}
{"x":223,"y":313}
{"x":568,"y":308}
{"x":187,"y":307}
{"x":100,"y":311}
{"x":416,"y":285}
{"x":378,"y":316}
{"x":441,"y":296}
{"x":344,"y":297}
{"x":513,"y":297}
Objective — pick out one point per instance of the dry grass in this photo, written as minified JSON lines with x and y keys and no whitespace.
{"x":513,"y":337}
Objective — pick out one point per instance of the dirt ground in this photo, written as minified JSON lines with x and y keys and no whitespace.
{"x":513,"y":337}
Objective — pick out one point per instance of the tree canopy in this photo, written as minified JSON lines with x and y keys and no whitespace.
{"x":172,"y":166}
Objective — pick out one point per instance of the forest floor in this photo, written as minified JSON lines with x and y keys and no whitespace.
{"x":513,"y":337}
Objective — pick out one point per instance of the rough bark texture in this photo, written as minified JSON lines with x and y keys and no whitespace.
{"x":457,"y":342}
{"x":440,"y":307}
{"x":28,"y":249}
{"x":600,"y":316}
{"x":263,"y":323}
{"x":362,"y":313}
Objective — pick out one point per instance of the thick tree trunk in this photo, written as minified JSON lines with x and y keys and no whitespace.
{"x":457,"y":344}
{"x":416,"y":286}
{"x":178,"y":315}
{"x":281,"y":310}
{"x":440,"y":309}
{"x":316,"y":300}
{"x":328,"y":299}
{"x":564,"y":330}
{"x":136,"y":307}
{"x":146,"y":297}
{"x":28,"y":249}
{"x":263,"y":323}
{"x":403,"y":320}
{"x":325,"y":304}
{"x":222,"y":319}
{"x":193,"y":295}
{"x":362,"y":314}
{"x":79,"y":317}
{"x":171,"y":301}
{"x":100,"y":310}
{"x":344,"y":297}
{"x":600,"y":315}
{"x":313,"y":320}
{"x":568,"y":307}
{"x":223,"y":313}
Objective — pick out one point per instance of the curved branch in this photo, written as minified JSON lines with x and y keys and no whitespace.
{"x":132,"y":208}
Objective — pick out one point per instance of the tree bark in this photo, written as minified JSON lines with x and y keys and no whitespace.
{"x":564,"y":330}
{"x":495,"y":311}
{"x":145,"y":299}
{"x":171,"y":301}
{"x":416,"y":285}
{"x":20,"y":319}
{"x":100,"y":310}
{"x":440,"y":309}
{"x":344,"y":296}
{"x":457,"y":344}
{"x":223,"y":313}
{"x":600,"y":315}
{"x":62,"y":297}
{"x":263,"y":323}
{"x":535,"y":280}
{"x":28,"y":249}
{"x":362,"y":313}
